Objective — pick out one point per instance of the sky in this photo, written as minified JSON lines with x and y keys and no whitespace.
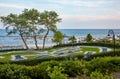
{"x":75,"y":14}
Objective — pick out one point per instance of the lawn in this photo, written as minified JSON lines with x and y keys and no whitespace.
{"x":83,"y":49}
{"x":94,"y":49}
{"x":80,"y":51}
{"x":7,"y":56}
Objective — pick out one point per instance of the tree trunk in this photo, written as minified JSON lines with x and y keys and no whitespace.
{"x":35,"y":39}
{"x":24,"y":42}
{"x":44,"y":39}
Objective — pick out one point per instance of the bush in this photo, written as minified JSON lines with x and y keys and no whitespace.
{"x":103,"y":65}
{"x":92,"y":44}
{"x":74,"y":68}
{"x":31,"y":62}
{"x":104,"y":54}
{"x":96,"y":68}
{"x":8,"y":71}
{"x":98,"y":75}
{"x":39,"y":71}
{"x":56,"y":73}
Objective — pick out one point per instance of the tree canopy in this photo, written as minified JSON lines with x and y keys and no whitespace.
{"x":16,"y":24}
{"x":49,"y":20}
{"x":89,"y":38}
{"x":29,"y":22}
{"x":72,"y":39}
{"x":58,"y":37}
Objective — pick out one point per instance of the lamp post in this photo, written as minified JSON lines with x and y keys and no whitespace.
{"x":111,"y":32}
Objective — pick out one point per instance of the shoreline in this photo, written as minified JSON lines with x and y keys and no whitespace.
{"x":18,"y":44}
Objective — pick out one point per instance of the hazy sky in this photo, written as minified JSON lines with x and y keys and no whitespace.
{"x":75,"y":14}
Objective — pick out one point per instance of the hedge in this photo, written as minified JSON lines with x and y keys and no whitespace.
{"x":91,"y":44}
{"x":73,"y":68}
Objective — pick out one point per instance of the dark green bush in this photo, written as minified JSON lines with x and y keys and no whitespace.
{"x":32,"y":62}
{"x":56,"y":73}
{"x":111,"y":45}
{"x":104,"y":54}
{"x":107,"y":64}
{"x":8,"y":71}
{"x":72,"y":68}
{"x":39,"y":71}
{"x":98,"y":75}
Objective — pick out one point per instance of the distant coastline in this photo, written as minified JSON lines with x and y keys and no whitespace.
{"x":80,"y":34}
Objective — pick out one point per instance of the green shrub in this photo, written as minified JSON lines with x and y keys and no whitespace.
{"x":106,"y":64}
{"x":56,"y":73}
{"x":96,"y":68}
{"x":32,"y":62}
{"x":111,"y":45}
{"x":39,"y":71}
{"x":74,"y":68}
{"x":8,"y":71}
{"x":98,"y":75}
{"x":69,"y":68}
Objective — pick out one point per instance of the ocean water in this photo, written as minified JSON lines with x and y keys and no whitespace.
{"x":80,"y":33}
{"x":96,"y":33}
{"x":77,"y":32}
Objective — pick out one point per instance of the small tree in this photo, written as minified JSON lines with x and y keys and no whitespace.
{"x":49,"y":19}
{"x":32,"y":18}
{"x":17,"y":24}
{"x":72,"y":39}
{"x":89,"y":38}
{"x":58,"y":37}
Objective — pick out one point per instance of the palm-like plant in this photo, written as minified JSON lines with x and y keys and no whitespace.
{"x":49,"y":19}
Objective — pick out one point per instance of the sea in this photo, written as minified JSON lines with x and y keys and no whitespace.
{"x":6,"y":40}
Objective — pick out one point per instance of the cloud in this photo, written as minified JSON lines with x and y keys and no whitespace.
{"x":90,"y":17}
{"x":13,"y":6}
{"x":81,"y":3}
{"x":110,"y":21}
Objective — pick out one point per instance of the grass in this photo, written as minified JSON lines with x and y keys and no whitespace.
{"x":79,"y":52}
{"x":19,"y":53}
{"x":30,"y":57}
{"x":7,"y":56}
{"x":84,"y":49}
{"x":5,"y":59}
{"x":95,"y":49}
